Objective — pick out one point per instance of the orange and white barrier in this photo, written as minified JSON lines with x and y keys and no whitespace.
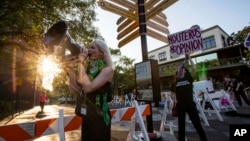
{"x":17,"y":132}
{"x":128,"y":113}
{"x":36,"y":129}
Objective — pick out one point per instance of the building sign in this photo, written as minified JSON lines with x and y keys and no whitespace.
{"x":147,"y":81}
{"x":144,"y":81}
{"x":186,"y":41}
{"x":247,"y":41}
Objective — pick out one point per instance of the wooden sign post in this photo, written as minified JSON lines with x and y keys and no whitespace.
{"x":144,"y":14}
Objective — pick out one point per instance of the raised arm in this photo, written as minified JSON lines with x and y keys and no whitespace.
{"x":192,"y":70}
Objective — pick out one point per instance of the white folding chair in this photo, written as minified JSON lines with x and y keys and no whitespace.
{"x":168,"y":110}
{"x":126,"y":100}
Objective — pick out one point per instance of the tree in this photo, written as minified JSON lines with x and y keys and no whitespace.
{"x":124,"y":76}
{"x":239,"y":37}
{"x":24,"y":22}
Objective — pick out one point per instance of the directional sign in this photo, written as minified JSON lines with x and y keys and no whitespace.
{"x":125,"y":24}
{"x":157,"y":36}
{"x":128,"y":23}
{"x":160,"y":18}
{"x":128,"y":26}
{"x":160,"y":21}
{"x":161,"y":6}
{"x":150,"y":3}
{"x":131,"y":28}
{"x":157,"y":27}
{"x":162,"y":15}
{"x":132,"y":6}
{"x":129,"y":38}
{"x":117,"y":9}
{"x":128,"y":4}
{"x":135,"y":33}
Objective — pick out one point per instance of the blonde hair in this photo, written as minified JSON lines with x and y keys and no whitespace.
{"x":104,"y":48}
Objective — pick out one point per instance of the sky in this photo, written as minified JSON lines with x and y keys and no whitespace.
{"x":230,"y":15}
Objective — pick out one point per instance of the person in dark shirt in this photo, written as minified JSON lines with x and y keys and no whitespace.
{"x":183,"y":89}
{"x":240,"y":93}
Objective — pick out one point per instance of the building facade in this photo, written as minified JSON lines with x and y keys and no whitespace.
{"x":218,"y":57}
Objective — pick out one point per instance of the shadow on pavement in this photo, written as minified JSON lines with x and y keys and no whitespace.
{"x":235,"y":114}
{"x":40,"y":115}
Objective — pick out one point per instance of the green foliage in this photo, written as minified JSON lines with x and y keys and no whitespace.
{"x":241,"y":36}
{"x":29,"y":19}
{"x":24,"y":22}
{"x":124,"y":75}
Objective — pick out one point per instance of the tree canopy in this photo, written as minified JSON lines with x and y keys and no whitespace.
{"x":29,"y":19}
{"x":23,"y":24}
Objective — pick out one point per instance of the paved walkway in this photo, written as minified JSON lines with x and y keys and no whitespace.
{"x":217,"y":131}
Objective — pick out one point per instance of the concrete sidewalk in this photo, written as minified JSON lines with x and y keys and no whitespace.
{"x":217,"y":131}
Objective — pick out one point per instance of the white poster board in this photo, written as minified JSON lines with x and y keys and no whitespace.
{"x":203,"y":86}
{"x":187,"y":41}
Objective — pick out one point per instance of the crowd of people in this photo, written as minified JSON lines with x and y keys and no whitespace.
{"x":182,"y":87}
{"x":235,"y":87}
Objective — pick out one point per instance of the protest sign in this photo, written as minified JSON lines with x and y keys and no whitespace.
{"x":187,"y":41}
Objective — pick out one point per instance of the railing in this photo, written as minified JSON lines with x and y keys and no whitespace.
{"x":230,"y":61}
{"x":10,"y":108}
{"x":168,"y":70}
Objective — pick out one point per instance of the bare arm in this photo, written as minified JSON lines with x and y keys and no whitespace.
{"x":88,"y":86}
{"x":73,"y":86}
{"x":105,"y":75}
{"x":238,"y":86}
{"x":192,"y":71}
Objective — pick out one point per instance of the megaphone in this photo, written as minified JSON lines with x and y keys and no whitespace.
{"x":58,"y":37}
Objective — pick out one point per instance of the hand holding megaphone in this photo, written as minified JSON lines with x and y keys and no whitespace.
{"x":83,"y":55}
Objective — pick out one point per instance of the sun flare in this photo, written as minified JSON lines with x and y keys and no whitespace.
{"x":49,"y":70}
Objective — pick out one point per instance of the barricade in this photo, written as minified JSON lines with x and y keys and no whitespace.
{"x":206,"y":88}
{"x":126,"y":100}
{"x":169,"y":103}
{"x":201,"y":110}
{"x":36,"y":129}
{"x":116,"y":100}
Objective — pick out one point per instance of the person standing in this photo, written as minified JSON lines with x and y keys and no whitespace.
{"x":42,"y":100}
{"x":95,"y":82}
{"x":183,"y":89}
{"x":240,"y":93}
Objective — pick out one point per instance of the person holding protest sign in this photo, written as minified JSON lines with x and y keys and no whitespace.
{"x":183,"y":89}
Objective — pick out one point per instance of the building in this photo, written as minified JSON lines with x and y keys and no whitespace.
{"x":219,"y":57}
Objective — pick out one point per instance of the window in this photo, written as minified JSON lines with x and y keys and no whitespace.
{"x":162,"y":56}
{"x":208,"y":43}
{"x":206,"y":58}
{"x":223,"y":41}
